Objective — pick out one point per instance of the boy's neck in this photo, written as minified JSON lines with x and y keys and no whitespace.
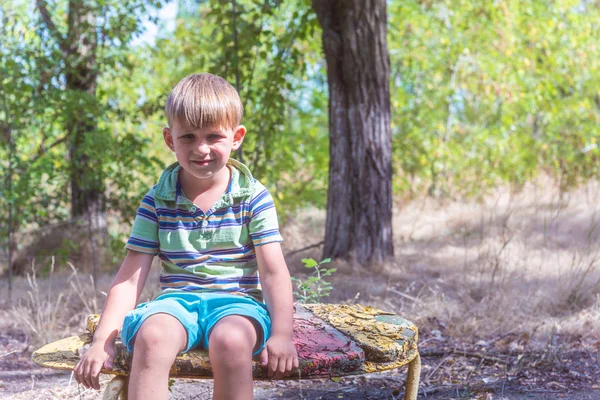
{"x":194,"y":187}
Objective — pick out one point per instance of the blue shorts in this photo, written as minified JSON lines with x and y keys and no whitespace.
{"x":198,"y":313}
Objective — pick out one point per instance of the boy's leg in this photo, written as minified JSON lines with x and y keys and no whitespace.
{"x":230,"y":347}
{"x":157,"y":342}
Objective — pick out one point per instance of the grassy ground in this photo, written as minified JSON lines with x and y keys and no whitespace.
{"x":505,"y":292}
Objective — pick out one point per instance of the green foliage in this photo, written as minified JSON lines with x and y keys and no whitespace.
{"x":490,"y":92}
{"x":315,"y":287}
{"x":482,"y":93}
{"x":269,"y":50}
{"x":38,"y":112}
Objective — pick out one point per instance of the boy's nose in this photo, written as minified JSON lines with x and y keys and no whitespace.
{"x":203,"y":148}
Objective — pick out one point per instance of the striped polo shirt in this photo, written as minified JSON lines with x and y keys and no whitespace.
{"x":207,"y":251}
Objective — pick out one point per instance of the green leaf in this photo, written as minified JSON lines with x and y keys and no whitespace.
{"x":309,"y":262}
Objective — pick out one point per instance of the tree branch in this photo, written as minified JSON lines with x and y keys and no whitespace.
{"x":44,"y":149}
{"x":103,"y":31}
{"x":42,"y":7}
{"x":312,"y":246}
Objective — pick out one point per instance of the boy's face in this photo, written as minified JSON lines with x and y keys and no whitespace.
{"x":203,"y":152}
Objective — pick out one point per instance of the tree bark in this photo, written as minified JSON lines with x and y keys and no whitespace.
{"x":79,"y":47}
{"x":87,"y":187}
{"x":359,"y":202}
{"x":79,"y":50}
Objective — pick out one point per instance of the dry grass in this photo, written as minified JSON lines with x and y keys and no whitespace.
{"x":525,"y":262}
{"x":517,"y":261}
{"x":520,"y":264}
{"x":55,"y":306}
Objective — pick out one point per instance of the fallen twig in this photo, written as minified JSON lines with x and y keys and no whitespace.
{"x":435,"y":368}
{"x":9,"y":353}
{"x":543,"y":391}
{"x":483,"y":357}
{"x":399,"y":293}
{"x":291,"y":253}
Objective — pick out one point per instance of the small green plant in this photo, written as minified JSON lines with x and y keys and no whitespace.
{"x":315,"y":287}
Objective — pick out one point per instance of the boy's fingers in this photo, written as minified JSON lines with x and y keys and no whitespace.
{"x":108,"y":363}
{"x":296,"y":362}
{"x":289,"y":366}
{"x":282,"y":368}
{"x":85,"y":376}
{"x":272,"y":366}
{"x":76,"y":373}
{"x":264,"y":357}
{"x":95,"y":376}
{"x":88,"y":375}
{"x":89,"y":379}
{"x":80,"y":375}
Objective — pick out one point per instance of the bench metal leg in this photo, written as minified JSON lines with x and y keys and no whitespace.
{"x":412,"y":380}
{"x":116,"y":389}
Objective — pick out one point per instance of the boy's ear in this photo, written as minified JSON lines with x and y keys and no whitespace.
{"x":168,"y":138}
{"x":238,"y":136}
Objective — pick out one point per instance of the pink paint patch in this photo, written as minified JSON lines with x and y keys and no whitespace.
{"x":323,"y":350}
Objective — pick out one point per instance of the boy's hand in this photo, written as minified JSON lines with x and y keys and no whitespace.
{"x":280,"y":356}
{"x":89,"y":366}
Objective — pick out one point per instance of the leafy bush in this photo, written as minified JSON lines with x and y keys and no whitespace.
{"x":315,"y":287}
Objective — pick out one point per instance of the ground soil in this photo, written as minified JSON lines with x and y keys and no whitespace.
{"x":505,"y":293}
{"x":451,"y":370}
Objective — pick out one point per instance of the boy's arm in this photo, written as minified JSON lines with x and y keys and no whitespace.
{"x":122,"y":297}
{"x":280,"y":353}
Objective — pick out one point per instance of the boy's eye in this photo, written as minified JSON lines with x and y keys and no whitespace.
{"x":214,"y":136}
{"x":188,"y":136}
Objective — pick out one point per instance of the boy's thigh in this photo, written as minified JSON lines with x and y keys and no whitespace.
{"x":168,"y":315}
{"x":199,"y":313}
{"x":238,"y":315}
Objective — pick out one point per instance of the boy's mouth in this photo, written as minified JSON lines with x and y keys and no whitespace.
{"x":202,"y":163}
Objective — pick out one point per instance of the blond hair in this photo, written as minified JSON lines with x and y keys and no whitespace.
{"x":204,"y":100}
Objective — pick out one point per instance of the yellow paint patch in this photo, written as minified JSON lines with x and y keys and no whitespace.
{"x":92,"y":322}
{"x":62,"y":354}
{"x":384,"y":341}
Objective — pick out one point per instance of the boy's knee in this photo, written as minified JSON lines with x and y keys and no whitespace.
{"x":236,"y":339}
{"x":161,"y":333}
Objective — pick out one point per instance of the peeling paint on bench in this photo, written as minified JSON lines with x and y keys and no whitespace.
{"x":331,"y":340}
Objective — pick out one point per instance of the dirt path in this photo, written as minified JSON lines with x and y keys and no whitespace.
{"x":20,"y":379}
{"x":504,"y":292}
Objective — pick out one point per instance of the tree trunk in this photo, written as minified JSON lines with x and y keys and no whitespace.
{"x":87,"y":186}
{"x":12,"y":245}
{"x":359,"y":202}
{"x":79,"y":47}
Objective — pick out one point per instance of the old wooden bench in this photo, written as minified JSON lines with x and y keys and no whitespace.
{"x":332,"y":340}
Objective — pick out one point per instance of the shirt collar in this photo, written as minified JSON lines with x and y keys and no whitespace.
{"x":241,"y":183}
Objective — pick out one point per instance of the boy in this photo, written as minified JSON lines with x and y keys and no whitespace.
{"x":214,"y":227}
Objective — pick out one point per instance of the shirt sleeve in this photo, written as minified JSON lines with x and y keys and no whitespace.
{"x":144,"y":234}
{"x":263,"y":227}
